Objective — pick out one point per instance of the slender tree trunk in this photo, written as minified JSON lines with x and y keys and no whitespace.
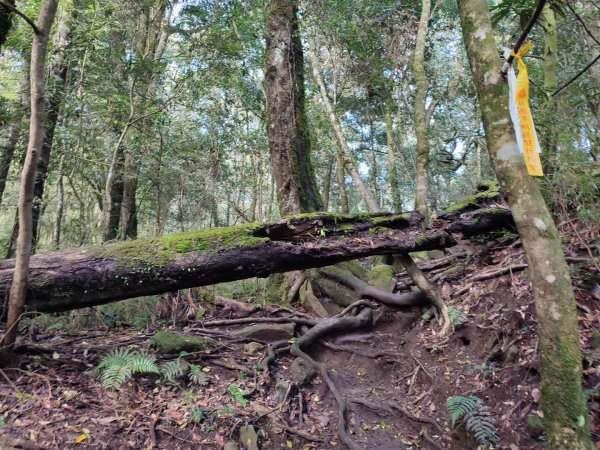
{"x":341,"y":179}
{"x":56,"y":93}
{"x":128,"y":210}
{"x":113,"y":187}
{"x":18,"y":292}
{"x":374,"y":169}
{"x":289,"y":141}
{"x":565,"y":415}
{"x":549,"y":138}
{"x":60,"y":193}
{"x":327,"y":181}
{"x":391,"y":160}
{"x":364,"y":190}
{"x":7,"y":151}
{"x":421,"y":123}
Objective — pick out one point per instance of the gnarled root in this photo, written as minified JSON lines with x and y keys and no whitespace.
{"x":362,"y":319}
{"x":427,"y":287}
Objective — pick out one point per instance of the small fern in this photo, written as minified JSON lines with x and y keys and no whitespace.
{"x":476,"y":417}
{"x":238,"y":393}
{"x":196,"y":375}
{"x":119,"y":366}
{"x":457,"y":317}
{"x":171,"y":370}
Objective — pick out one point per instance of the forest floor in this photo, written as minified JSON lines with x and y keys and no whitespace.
{"x":394,"y":377}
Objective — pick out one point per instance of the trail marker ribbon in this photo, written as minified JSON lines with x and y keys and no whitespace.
{"x":518,"y":104}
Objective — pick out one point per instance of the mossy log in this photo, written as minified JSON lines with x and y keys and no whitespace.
{"x":97,"y":275}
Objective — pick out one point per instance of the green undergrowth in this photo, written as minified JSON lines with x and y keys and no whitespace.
{"x":138,"y":313}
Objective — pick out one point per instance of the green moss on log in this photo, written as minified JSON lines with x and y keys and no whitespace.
{"x":173,"y":343}
{"x":487,"y":190}
{"x":162,"y":250}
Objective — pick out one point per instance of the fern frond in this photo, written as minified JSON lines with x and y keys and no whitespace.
{"x":459,"y":406}
{"x":197,"y":376}
{"x":113,"y":377}
{"x":142,"y":362}
{"x":120,"y":365}
{"x":172,"y":370}
{"x":119,"y":357}
{"x":476,"y":417}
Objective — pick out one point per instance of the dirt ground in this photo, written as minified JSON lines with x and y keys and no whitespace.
{"x":395,"y":378}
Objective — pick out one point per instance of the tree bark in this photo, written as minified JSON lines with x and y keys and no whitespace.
{"x":19,"y":121}
{"x":327,"y":181}
{"x":20,"y":277}
{"x":56,"y":93}
{"x":341,"y":179}
{"x":60,"y":193}
{"x":91,"y":276}
{"x":565,"y":415}
{"x":289,"y":142}
{"x":421,"y":122}
{"x":549,"y":138}
{"x":391,"y":159}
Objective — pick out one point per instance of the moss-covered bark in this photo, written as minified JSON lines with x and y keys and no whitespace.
{"x":95,"y":275}
{"x":565,"y":415}
{"x":422,"y":160}
{"x":549,"y":137}
{"x":289,"y":141}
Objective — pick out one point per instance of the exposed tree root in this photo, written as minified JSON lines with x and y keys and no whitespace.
{"x":246,"y":320}
{"x":362,"y":319}
{"x":365,"y":290}
{"x":427,"y":287}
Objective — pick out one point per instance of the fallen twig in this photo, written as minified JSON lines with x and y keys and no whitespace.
{"x":497,"y":272}
{"x":246,"y":320}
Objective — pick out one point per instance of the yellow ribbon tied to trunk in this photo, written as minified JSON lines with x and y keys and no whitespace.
{"x":521,"y":114}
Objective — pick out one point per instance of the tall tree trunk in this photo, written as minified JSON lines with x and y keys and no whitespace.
{"x":341,"y":179}
{"x":5,"y":21}
{"x":327,"y":181}
{"x":7,"y":151}
{"x":18,"y":292}
{"x":590,"y":39}
{"x":289,"y":142}
{"x":549,"y":138}
{"x":391,"y":159}
{"x":563,"y":405}
{"x":128,"y":212}
{"x":364,"y":190}
{"x":56,"y":90}
{"x":60,"y":193}
{"x":421,"y":122}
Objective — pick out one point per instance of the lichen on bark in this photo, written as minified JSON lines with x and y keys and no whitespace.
{"x":563,"y":405}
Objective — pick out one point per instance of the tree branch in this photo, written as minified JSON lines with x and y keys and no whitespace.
{"x":24,"y":16}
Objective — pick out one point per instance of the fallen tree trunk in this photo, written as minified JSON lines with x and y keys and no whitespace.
{"x":92,"y":276}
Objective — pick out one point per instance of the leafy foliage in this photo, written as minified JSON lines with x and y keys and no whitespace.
{"x":457,"y":317}
{"x":171,"y":370}
{"x":119,"y":366}
{"x":196,"y":375}
{"x":476,"y":417}
{"x":239,"y":394}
